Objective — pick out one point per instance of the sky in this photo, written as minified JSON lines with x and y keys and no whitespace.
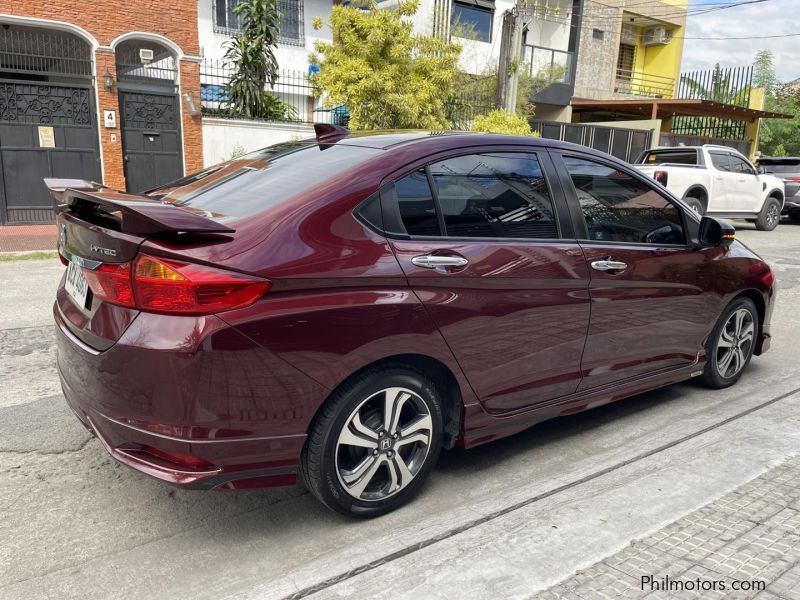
{"x":771,"y":17}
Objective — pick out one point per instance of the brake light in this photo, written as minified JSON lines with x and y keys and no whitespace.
{"x":661,"y":177}
{"x":792,"y":179}
{"x":173,"y":287}
{"x":111,"y":283}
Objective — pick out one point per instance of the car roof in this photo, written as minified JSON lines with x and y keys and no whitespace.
{"x":438,"y":140}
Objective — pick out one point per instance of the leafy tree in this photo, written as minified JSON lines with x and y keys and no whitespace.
{"x":251,"y":54}
{"x":781,"y":137}
{"x":386,"y":75}
{"x":500,"y":121}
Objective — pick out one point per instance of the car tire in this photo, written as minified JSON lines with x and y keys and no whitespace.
{"x":738,"y":325}
{"x":350,"y":435}
{"x":695,"y":204}
{"x":770,"y":215}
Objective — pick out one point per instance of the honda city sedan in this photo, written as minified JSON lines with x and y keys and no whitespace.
{"x":339,"y":310}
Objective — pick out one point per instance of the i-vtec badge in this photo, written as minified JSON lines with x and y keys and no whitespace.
{"x":101,"y":250}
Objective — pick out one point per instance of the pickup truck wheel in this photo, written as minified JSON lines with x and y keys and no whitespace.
{"x":695,"y":204}
{"x":770,"y":215}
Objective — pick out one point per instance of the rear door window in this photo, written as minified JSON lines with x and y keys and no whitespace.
{"x":721,"y":161}
{"x":417,"y":209}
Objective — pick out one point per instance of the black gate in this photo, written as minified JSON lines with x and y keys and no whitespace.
{"x":46,"y":130}
{"x":151,"y":138}
{"x":48,"y":122}
{"x":621,"y":142}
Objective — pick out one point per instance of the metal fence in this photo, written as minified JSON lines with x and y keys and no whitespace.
{"x":621,"y":142}
{"x":639,"y":83}
{"x":728,"y":86}
{"x":475,"y":97}
{"x":291,"y":87}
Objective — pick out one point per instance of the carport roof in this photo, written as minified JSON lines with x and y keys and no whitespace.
{"x":656,"y":108}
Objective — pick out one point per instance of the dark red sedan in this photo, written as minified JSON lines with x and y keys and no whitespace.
{"x":343,"y":308}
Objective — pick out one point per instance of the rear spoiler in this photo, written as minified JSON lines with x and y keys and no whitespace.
{"x":137,"y":214}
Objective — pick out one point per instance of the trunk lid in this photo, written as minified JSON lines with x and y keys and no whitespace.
{"x":100,"y":226}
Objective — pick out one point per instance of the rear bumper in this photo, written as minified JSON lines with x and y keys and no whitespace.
{"x":192,"y":417}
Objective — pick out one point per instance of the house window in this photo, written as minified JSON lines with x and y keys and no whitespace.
{"x":598,"y":34}
{"x":291,"y":20}
{"x":625,"y":62}
{"x":472,"y":19}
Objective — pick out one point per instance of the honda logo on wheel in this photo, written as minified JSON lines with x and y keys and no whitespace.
{"x":386,"y":443}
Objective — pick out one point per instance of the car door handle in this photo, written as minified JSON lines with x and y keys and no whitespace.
{"x":609,"y":265}
{"x":434,"y":261}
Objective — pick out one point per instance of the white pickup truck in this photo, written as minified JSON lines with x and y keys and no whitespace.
{"x":718,"y":181}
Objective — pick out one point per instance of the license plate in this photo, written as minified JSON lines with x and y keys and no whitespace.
{"x":77,"y":287}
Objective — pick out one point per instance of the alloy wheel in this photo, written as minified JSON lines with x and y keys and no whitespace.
{"x":735,"y":343}
{"x":383,"y":444}
{"x":773,"y":214}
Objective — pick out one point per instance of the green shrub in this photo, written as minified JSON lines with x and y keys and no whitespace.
{"x":500,"y":121}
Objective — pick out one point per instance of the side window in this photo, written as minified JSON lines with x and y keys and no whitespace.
{"x":721,"y":161}
{"x":741,"y":166}
{"x":495,"y":194}
{"x":620,"y":208}
{"x":417,"y":208}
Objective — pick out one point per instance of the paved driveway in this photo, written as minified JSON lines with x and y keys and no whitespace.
{"x":554,"y":510}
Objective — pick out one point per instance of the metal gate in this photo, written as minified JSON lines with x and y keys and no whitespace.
{"x":151,"y":139}
{"x":48,"y":123}
{"x":623,"y":143}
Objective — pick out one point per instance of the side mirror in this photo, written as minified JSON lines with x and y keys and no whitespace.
{"x":715,"y":232}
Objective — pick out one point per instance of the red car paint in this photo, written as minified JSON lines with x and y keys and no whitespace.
{"x":525,"y":333}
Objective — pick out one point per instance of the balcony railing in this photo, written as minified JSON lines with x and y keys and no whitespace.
{"x":638,"y":83}
{"x":549,"y":64}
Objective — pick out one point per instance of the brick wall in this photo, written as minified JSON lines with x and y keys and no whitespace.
{"x":106,"y":20}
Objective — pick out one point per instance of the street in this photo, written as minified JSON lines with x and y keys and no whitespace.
{"x":669,"y":483}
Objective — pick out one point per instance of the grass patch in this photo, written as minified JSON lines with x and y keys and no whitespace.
{"x":11,"y":256}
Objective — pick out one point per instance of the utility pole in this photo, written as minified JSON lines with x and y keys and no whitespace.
{"x":509,"y":62}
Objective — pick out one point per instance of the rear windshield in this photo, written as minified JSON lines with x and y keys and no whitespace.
{"x":677,"y":157}
{"x":781,"y":167}
{"x":257,"y":181}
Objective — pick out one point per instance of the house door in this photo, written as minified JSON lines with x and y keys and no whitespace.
{"x":150,"y":120}
{"x":151,"y":139}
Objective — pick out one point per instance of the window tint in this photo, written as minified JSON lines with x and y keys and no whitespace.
{"x":675,"y":157}
{"x":741,"y":166}
{"x":780,"y":167}
{"x":721,"y":160}
{"x":494,"y":195}
{"x":620,"y":208}
{"x":262,"y":179}
{"x":415,"y":200}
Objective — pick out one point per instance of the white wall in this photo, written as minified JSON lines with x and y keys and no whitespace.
{"x":223,"y":137}
{"x":294,"y":58}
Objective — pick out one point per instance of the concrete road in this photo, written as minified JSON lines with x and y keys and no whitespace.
{"x":510,"y":519}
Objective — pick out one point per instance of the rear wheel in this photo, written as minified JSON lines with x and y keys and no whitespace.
{"x":374,"y":442}
{"x":695,"y":204}
{"x":770,"y":215}
{"x":730,"y":346}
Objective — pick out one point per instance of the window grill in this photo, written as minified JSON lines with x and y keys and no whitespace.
{"x":292,"y":32}
{"x":30,"y":51}
{"x":131,"y":67}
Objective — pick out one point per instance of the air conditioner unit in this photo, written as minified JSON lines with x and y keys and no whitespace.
{"x":655,"y":36}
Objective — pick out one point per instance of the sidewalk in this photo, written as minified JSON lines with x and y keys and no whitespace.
{"x":25,"y":238}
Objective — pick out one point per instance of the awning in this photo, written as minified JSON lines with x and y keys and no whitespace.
{"x":664,"y":109}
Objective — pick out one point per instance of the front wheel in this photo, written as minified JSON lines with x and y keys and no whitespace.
{"x":770,"y":215}
{"x":730,"y":346}
{"x":374,"y":442}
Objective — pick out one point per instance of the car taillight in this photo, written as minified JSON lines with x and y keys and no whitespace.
{"x":111,"y":283}
{"x":174,"y":287}
{"x":661,"y":177}
{"x":794,"y":179}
